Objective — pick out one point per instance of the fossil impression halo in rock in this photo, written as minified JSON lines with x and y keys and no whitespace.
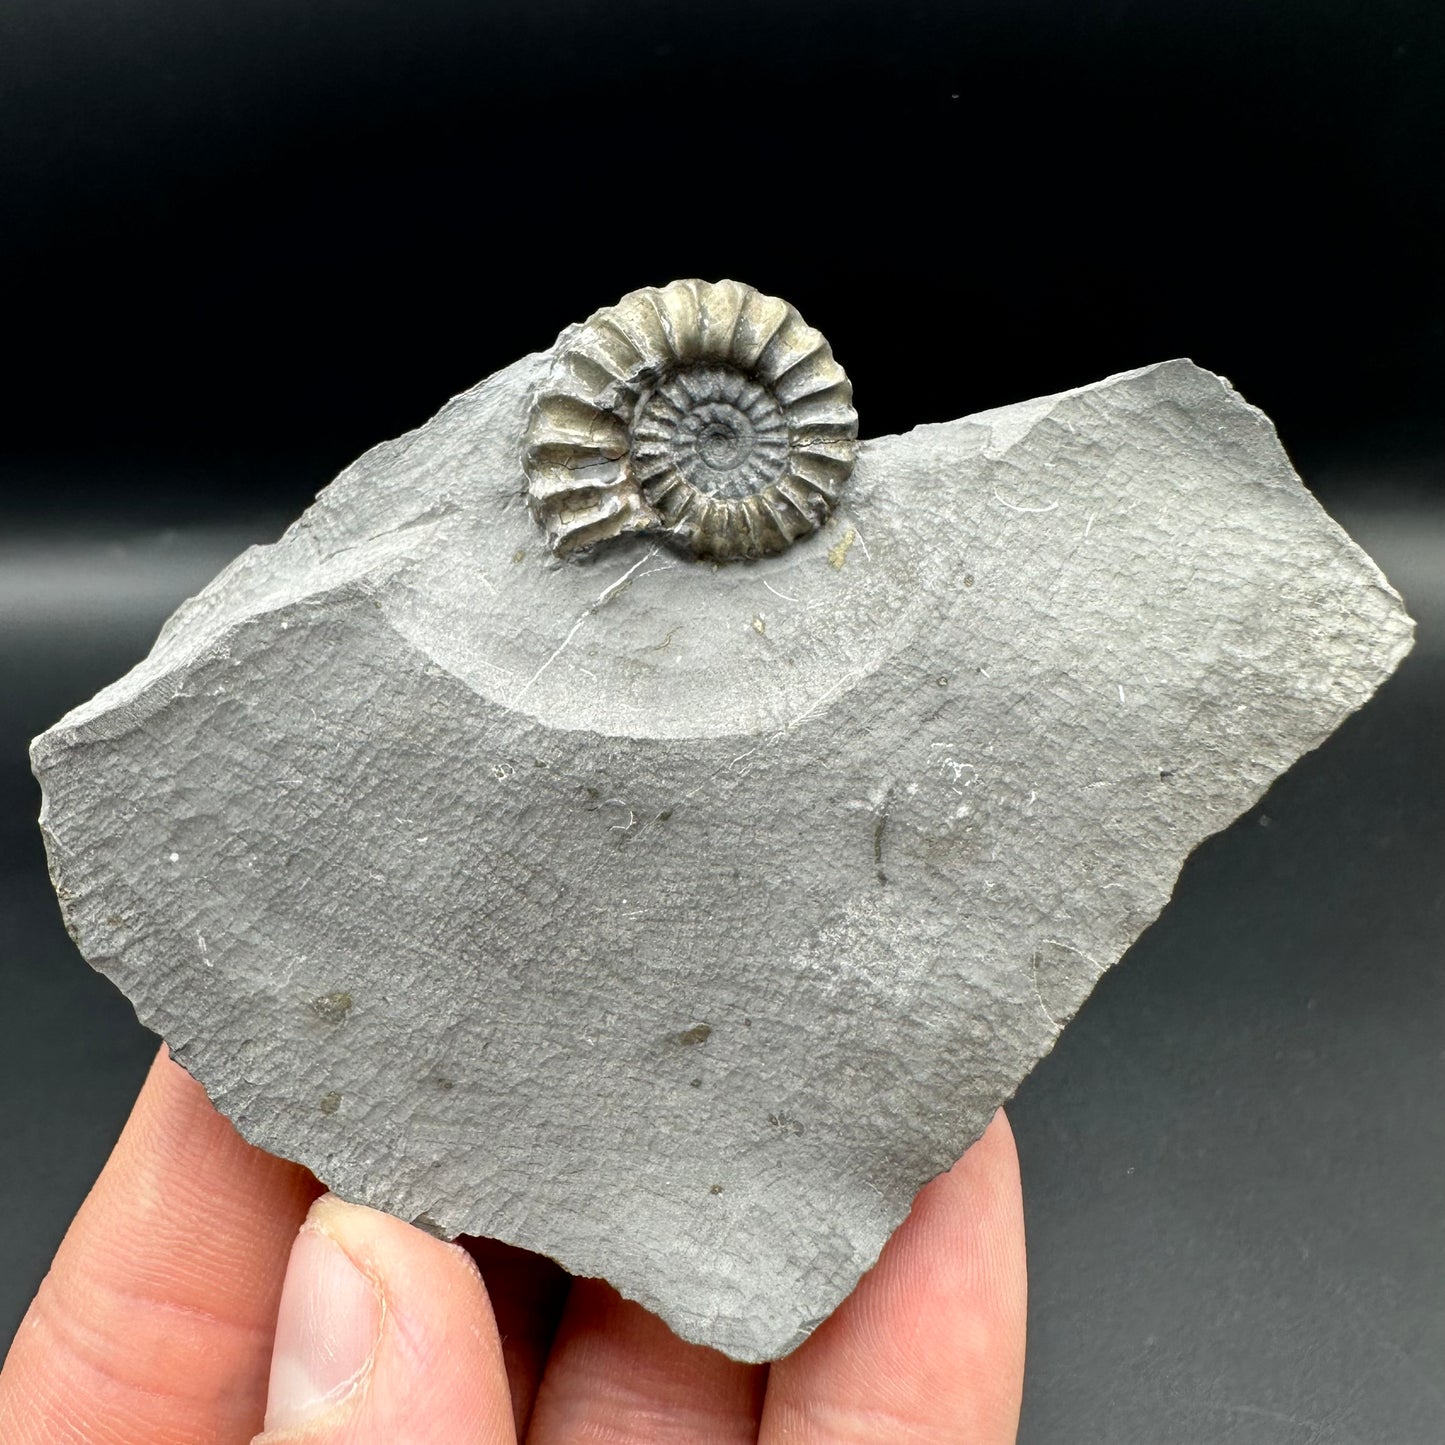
{"x":490,"y":848}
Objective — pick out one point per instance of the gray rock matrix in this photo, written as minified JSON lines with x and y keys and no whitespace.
{"x":680,"y":921}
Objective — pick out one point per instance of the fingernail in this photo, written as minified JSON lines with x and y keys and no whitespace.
{"x":326,"y":1332}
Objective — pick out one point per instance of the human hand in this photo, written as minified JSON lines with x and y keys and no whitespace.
{"x":158,"y":1322}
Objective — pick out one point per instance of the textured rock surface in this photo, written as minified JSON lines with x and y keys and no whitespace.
{"x":680,"y":921}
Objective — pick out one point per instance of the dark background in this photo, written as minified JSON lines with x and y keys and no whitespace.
{"x":241,"y":242}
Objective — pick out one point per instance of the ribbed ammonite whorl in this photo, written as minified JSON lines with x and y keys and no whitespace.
{"x":704,"y":412}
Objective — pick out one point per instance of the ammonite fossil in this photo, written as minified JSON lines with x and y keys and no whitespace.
{"x":704,"y":412}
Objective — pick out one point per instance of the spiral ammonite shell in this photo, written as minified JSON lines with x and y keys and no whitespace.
{"x":704,"y":412}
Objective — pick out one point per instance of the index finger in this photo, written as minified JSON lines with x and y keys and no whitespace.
{"x":930,"y":1346}
{"x":155,"y":1322}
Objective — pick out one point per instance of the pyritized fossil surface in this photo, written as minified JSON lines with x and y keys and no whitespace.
{"x":679,"y":921}
{"x":703,"y":412}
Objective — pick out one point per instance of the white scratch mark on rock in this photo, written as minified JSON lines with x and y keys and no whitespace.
{"x":1058,"y":1027}
{"x":1018,"y":507}
{"x":820,"y":701}
{"x":603,"y":597}
{"x":565,"y":643}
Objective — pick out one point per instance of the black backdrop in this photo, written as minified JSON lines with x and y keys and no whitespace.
{"x":241,"y":242}
{"x":283,"y":229}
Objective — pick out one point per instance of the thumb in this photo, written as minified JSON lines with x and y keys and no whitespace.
{"x":385,"y":1336}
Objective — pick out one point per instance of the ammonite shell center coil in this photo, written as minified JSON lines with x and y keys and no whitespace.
{"x":704,"y":412}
